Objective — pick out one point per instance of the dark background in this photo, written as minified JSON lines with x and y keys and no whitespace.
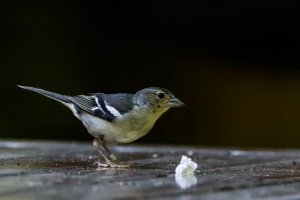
{"x":234,"y":63}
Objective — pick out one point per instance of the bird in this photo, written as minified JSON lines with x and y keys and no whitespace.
{"x":116,"y":118}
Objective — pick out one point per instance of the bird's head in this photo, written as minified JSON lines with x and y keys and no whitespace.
{"x":157,"y":98}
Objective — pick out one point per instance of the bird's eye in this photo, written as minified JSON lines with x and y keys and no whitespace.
{"x":160,"y":95}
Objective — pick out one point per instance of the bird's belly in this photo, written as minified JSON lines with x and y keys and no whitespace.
{"x":128,"y":128}
{"x":127,"y":134}
{"x":123,"y":131}
{"x":97,"y":127}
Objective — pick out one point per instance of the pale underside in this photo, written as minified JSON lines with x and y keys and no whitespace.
{"x":125,"y":129}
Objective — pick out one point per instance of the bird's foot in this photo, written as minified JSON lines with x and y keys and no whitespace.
{"x":110,"y":164}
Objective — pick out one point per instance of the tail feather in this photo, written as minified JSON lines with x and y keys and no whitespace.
{"x":58,"y":97}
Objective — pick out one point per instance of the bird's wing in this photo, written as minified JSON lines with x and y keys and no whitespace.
{"x":119,"y":104}
{"x":95,"y":106}
{"x":105,"y":106}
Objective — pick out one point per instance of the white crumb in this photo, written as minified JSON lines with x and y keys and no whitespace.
{"x":186,"y":167}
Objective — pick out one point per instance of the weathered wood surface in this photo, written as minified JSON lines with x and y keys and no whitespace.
{"x":65,"y":170}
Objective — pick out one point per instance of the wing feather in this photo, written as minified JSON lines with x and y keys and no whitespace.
{"x":105,"y":106}
{"x":93,"y":105}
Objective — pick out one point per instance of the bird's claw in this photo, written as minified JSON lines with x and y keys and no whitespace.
{"x":111,"y":165}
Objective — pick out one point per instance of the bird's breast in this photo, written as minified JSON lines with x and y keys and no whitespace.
{"x":125,"y":129}
{"x":136,"y":124}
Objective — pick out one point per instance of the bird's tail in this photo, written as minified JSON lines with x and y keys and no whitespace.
{"x":58,"y":97}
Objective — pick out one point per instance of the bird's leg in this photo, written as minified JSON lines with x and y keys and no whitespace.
{"x":111,"y":155}
{"x":96,"y":144}
{"x":108,"y":163}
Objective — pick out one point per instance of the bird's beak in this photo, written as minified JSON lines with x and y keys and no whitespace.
{"x":174,"y":102}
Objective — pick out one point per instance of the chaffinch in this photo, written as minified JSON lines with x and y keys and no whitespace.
{"x":116,"y":118}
